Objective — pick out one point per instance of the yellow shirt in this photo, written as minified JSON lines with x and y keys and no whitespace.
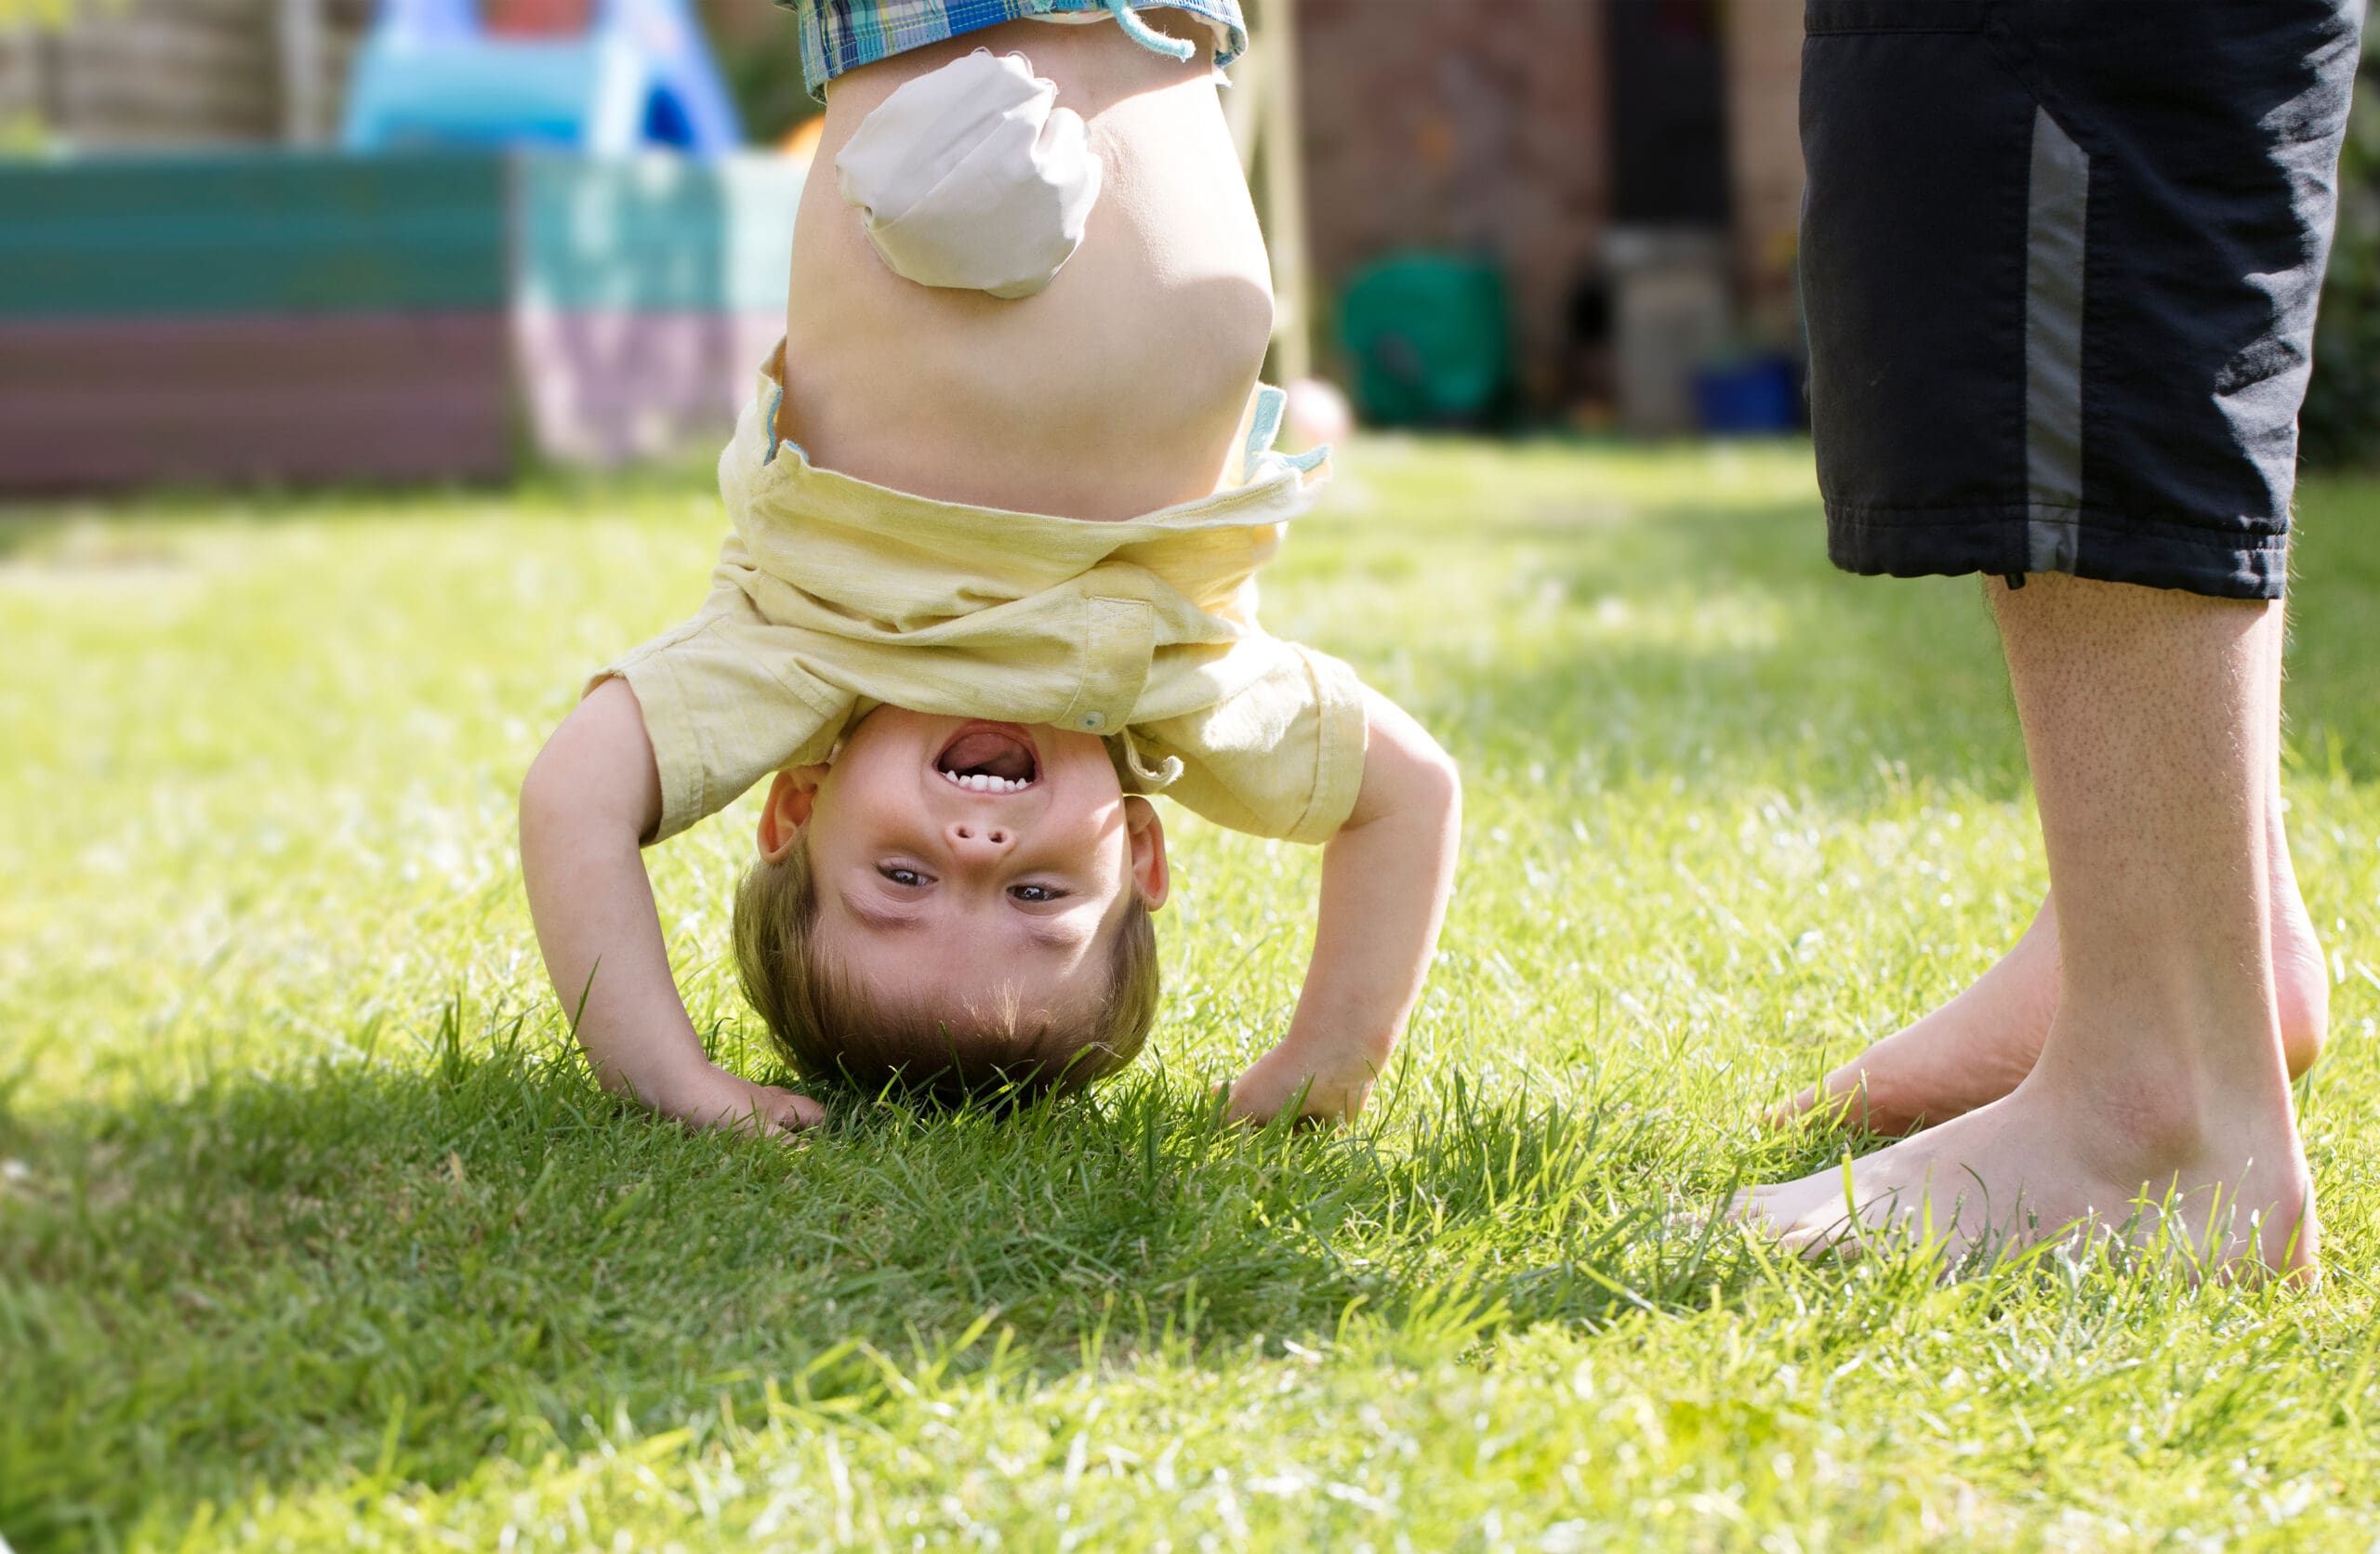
{"x":834,"y":597}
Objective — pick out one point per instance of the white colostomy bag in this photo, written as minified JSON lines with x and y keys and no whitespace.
{"x":972,"y":177}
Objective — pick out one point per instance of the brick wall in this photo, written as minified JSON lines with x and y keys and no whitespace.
{"x":1482,"y":126}
{"x":1473,"y":125}
{"x":1765,"y":146}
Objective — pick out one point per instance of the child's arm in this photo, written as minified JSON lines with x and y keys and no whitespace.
{"x":591,"y":797}
{"x":1385,"y":879}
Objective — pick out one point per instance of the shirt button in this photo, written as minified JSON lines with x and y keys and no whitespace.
{"x":1092,"y":720}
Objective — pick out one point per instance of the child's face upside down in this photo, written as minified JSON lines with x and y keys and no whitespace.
{"x":964,"y":866}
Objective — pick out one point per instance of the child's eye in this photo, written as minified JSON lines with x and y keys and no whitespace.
{"x":900,"y":876}
{"x":1035,"y":894}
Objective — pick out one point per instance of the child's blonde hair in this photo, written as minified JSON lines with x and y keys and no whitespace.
{"x":828,"y":1026}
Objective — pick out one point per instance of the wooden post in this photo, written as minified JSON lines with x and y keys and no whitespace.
{"x":1279,"y":148}
{"x":298,"y":33}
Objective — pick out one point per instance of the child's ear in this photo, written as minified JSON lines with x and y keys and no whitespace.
{"x":1145,"y":835}
{"x":788,"y":811}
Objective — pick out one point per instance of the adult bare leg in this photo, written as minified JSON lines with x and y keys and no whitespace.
{"x":2153,"y":720}
{"x":1980,"y":1045}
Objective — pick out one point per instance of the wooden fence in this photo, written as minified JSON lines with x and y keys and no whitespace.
{"x":135,"y":74}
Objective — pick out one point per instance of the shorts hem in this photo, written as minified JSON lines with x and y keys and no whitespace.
{"x":1954,"y":542}
{"x":826,"y":57}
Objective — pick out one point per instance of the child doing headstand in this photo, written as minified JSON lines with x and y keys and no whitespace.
{"x":998,"y":505}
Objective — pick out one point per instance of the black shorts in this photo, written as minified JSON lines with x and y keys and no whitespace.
{"x":2060,"y":261}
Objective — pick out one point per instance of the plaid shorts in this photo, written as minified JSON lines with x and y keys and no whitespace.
{"x":839,"y":36}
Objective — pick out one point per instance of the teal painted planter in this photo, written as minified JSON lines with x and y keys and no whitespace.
{"x":655,"y":234}
{"x":218,"y":233}
{"x":282,"y":232}
{"x":612,"y":307}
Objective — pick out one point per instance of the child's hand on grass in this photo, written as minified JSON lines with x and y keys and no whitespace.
{"x":1334,"y":1084}
{"x":1387,"y":876}
{"x":714,"y":1097}
{"x":592,"y":795}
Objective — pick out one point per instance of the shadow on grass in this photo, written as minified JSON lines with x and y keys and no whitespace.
{"x":31,"y":527}
{"x":398,"y":1264}
{"x":374,"y":1268}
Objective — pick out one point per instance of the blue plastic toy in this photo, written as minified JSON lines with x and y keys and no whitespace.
{"x":641,"y":75}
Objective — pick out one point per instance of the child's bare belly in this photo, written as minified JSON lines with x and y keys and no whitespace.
{"x":1116,"y":391}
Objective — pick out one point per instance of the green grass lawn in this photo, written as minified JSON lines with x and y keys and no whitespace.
{"x":314,"y":1235}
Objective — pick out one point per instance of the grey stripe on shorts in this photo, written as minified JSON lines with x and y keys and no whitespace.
{"x":2058,"y":198}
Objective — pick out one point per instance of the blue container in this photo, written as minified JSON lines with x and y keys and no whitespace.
{"x":1757,"y":396}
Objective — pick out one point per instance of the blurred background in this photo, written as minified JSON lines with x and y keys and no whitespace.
{"x":559,"y":228}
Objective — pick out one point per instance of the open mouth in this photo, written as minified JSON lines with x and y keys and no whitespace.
{"x":988,"y":757}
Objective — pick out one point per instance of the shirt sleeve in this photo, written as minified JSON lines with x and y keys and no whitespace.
{"x":1284,"y":758}
{"x":726,"y":702}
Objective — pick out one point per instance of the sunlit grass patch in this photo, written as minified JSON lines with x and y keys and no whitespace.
{"x":313,"y":1231}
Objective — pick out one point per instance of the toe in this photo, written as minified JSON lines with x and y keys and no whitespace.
{"x":1749,"y":1206}
{"x":1821,"y":1192}
{"x":1822,"y":1236}
{"x":1788,"y":1113}
{"x":1777,"y":1207}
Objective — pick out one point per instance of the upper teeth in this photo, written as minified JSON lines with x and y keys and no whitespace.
{"x":983,"y":782}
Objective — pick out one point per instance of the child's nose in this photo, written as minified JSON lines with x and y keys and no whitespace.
{"x":980,"y":836}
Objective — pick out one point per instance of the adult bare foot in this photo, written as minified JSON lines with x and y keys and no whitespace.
{"x":2160,"y":1094}
{"x":2223,"y":1187}
{"x":1968,"y":1053}
{"x":1978,"y":1046}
